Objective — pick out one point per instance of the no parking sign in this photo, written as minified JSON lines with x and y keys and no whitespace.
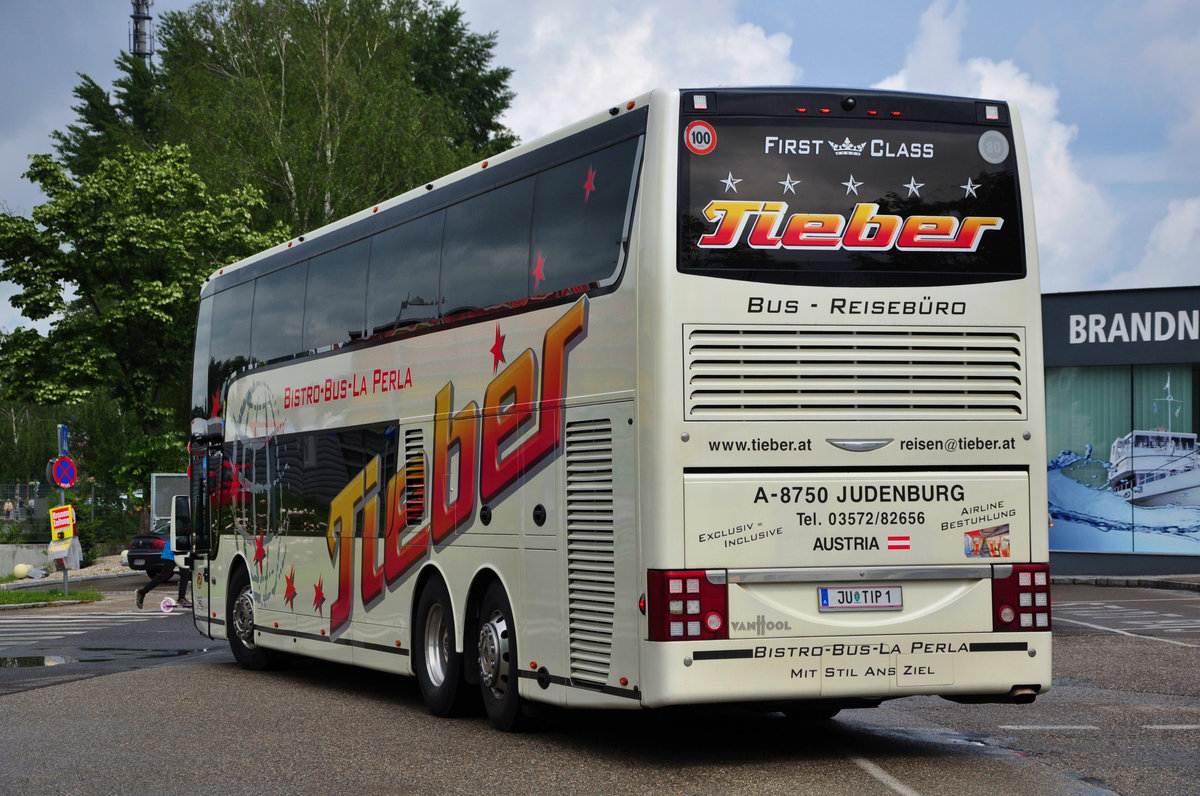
{"x":64,"y":472}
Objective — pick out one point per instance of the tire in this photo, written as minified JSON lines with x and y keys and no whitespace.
{"x":498,"y":667}
{"x":437,"y":664}
{"x":239,"y":618}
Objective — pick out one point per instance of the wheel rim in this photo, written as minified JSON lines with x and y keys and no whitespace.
{"x":494,"y":659}
{"x":437,"y":644}
{"x":243,"y":617}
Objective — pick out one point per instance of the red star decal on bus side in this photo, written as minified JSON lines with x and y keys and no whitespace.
{"x":590,"y":185}
{"x":216,"y":412}
{"x":538,"y":273}
{"x":319,"y":597}
{"x":289,"y":594}
{"x":260,"y":552}
{"x":498,"y":350}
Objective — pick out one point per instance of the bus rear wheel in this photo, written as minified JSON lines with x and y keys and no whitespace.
{"x":438,"y":665}
{"x":497,"y":648}
{"x":240,"y":621}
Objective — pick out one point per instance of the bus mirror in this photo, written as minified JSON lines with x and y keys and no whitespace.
{"x":181,"y":524}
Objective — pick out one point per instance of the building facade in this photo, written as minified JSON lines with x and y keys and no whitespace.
{"x":1122,"y":407}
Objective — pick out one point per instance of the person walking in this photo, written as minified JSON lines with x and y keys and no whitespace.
{"x":166,"y":568}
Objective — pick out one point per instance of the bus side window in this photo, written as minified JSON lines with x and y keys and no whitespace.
{"x":487,"y":249}
{"x":402,"y":286}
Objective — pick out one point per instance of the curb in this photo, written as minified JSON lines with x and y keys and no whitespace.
{"x":1128,"y":582}
{"x":40,"y":605}
{"x":51,"y":581}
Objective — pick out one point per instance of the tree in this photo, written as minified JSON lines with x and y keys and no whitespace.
{"x":330,"y":105}
{"x":116,"y":261}
{"x":105,"y":126}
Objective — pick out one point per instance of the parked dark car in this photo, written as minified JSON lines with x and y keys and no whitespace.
{"x":145,"y":549}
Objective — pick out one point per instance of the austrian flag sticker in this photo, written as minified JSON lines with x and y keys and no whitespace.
{"x":899,"y":542}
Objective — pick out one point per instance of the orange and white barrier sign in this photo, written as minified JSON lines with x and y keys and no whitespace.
{"x":62,"y":522}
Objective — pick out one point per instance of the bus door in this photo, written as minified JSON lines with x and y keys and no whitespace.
{"x":204,"y":488}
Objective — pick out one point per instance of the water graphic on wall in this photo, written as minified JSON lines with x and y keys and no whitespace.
{"x":1097,"y":518}
{"x":1145,"y":498}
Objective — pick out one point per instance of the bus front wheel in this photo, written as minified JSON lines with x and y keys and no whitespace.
{"x":498,"y":660}
{"x":240,"y":621}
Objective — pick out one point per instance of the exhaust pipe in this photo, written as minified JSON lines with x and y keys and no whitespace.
{"x":1023,"y":694}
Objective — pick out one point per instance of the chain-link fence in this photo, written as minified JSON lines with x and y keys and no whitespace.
{"x":105,"y":518}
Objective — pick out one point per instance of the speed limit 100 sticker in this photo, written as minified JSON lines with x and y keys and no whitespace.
{"x":700,"y":138}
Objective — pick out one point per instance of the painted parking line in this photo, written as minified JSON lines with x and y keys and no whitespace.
{"x":1125,"y":632}
{"x":1048,"y":727}
{"x":880,"y":776}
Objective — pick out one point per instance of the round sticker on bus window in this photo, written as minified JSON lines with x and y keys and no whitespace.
{"x":993,"y":146}
{"x":700,"y":138}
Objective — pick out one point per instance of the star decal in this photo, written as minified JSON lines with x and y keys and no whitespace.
{"x":852,"y":185}
{"x":730,"y":183}
{"x":789,"y":185}
{"x":289,"y":594}
{"x":216,"y":403}
{"x":319,"y":597}
{"x":538,"y":275}
{"x":260,"y":552}
{"x":590,"y":184}
{"x":913,"y":186}
{"x":498,"y":350}
{"x":970,"y":188}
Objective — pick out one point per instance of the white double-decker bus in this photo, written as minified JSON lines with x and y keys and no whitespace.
{"x":719,"y":396}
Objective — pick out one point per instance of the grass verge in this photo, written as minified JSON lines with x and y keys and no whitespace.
{"x":21,"y":596}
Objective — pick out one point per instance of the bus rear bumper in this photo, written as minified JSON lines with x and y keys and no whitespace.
{"x":967,"y":667}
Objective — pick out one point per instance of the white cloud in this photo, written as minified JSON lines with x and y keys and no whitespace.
{"x":573,"y":59}
{"x":1170,"y":257}
{"x":1076,"y":223}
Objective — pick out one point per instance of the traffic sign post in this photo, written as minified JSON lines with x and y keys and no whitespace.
{"x":63,"y":472}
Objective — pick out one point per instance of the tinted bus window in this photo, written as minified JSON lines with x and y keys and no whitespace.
{"x":579,"y":216}
{"x":847,"y":202}
{"x":486,"y":253}
{"x":229,"y":348}
{"x":200,"y":389}
{"x":403,"y":283}
{"x":335,"y":301}
{"x":278,"y":313}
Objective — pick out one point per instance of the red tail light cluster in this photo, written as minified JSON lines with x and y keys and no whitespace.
{"x":685,"y":605}
{"x":1021,"y":601}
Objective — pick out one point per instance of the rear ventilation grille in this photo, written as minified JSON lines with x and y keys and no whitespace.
{"x":591,"y":587}
{"x":813,"y":373}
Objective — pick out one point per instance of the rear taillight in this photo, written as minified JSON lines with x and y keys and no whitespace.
{"x":686,"y":605}
{"x":158,"y":544}
{"x":1021,"y":600}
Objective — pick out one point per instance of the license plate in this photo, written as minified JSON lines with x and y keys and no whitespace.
{"x":139,"y":561}
{"x":860,"y":598}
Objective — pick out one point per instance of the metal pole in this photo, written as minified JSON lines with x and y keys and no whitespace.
{"x":62,"y":501}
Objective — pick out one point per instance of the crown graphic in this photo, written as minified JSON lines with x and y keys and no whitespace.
{"x":847,"y":148}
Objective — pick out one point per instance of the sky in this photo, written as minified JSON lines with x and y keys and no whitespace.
{"x":1108,"y":90}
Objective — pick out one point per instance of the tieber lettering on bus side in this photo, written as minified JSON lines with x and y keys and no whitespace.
{"x":510,"y":401}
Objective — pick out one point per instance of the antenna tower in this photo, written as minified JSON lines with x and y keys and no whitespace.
{"x":141,"y":30}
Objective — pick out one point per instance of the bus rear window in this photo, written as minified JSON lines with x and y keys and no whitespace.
{"x":848,"y":202}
